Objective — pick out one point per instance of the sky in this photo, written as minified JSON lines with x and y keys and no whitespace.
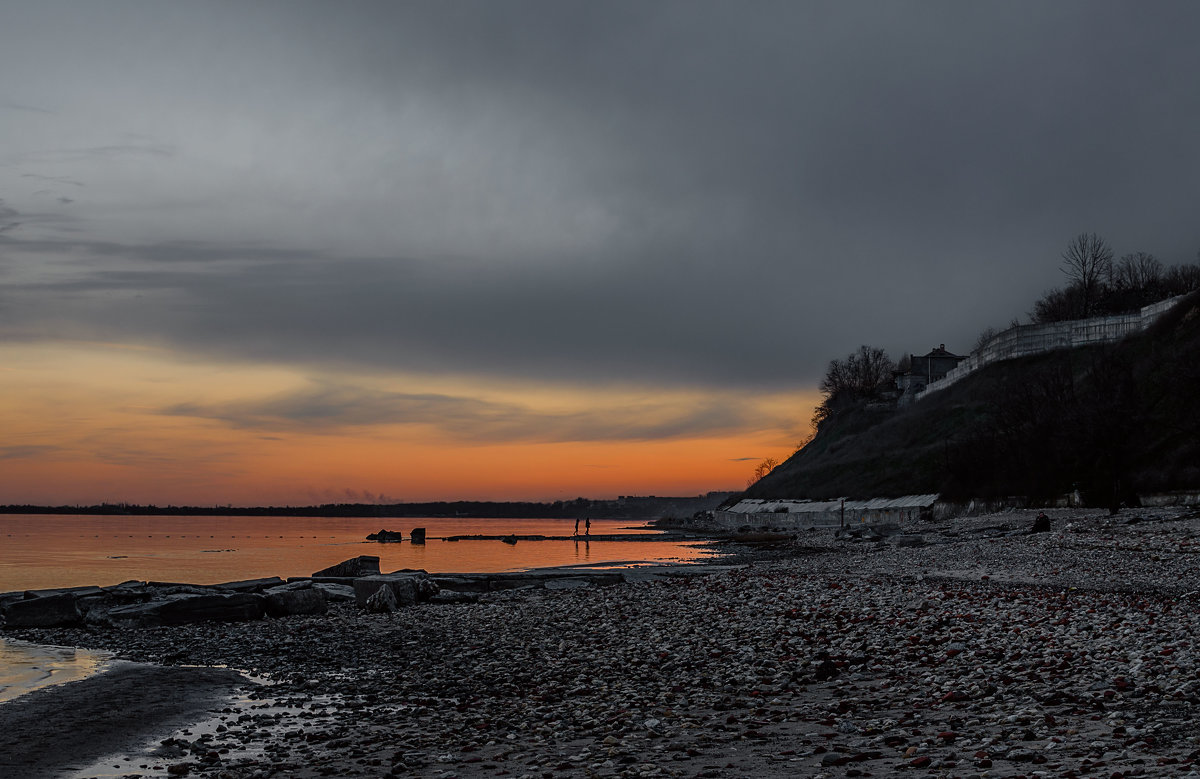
{"x":295,"y":252}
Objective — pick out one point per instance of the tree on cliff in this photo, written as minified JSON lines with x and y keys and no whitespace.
{"x":762,"y":469}
{"x":1087,"y":262}
{"x":857,"y":379}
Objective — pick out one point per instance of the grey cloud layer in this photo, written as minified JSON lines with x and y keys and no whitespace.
{"x":678,"y":193}
{"x":335,"y":407}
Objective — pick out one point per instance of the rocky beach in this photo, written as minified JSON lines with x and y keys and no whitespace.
{"x":965,"y":647}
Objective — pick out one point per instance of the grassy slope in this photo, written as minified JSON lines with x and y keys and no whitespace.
{"x":1034,"y":426}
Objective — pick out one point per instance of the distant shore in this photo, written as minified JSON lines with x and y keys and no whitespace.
{"x":631,"y":507}
{"x":969,"y":647}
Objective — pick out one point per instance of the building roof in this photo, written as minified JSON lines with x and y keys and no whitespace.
{"x":941,"y":352}
{"x":765,"y":506}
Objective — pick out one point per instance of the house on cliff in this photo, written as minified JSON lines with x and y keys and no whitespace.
{"x":919,"y":371}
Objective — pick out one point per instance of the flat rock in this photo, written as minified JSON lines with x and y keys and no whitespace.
{"x":363,"y":565}
{"x":335,"y":593}
{"x":289,"y":602}
{"x":181,"y":609}
{"x":249,"y":585}
{"x":403,"y":587}
{"x":43,"y":612}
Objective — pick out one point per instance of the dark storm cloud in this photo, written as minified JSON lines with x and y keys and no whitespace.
{"x":661,"y":193}
{"x":614,"y":323}
{"x":94,"y":152}
{"x":55,"y":179}
{"x":334,"y":407}
{"x":19,"y":107}
{"x":9,"y":218}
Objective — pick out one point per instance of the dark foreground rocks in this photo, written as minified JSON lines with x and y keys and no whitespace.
{"x":357,"y":579}
{"x":985,"y":651}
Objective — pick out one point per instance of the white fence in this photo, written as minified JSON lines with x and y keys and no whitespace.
{"x":1023,"y":340}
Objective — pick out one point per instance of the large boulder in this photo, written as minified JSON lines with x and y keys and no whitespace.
{"x":49,"y":611}
{"x":363,"y":565}
{"x":408,"y":587}
{"x":181,"y":609}
{"x":335,"y":593}
{"x":249,"y":585}
{"x":381,"y":601}
{"x":221,"y":608}
{"x":95,"y":608}
{"x":403,"y":588}
{"x":288,"y":602}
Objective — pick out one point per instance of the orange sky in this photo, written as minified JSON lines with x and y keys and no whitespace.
{"x":92,"y":422}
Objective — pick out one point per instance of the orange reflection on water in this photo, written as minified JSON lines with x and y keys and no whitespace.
{"x":39,"y":552}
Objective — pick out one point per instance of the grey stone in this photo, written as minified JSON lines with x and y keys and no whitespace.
{"x":403,"y":587}
{"x":43,"y":612}
{"x":182,"y":609}
{"x":335,"y":593}
{"x":249,"y":585}
{"x":306,"y":601}
{"x":382,"y":600}
{"x":363,"y":565}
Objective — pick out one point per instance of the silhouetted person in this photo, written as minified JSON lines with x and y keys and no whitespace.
{"x":576,"y":525}
{"x":587,"y":527}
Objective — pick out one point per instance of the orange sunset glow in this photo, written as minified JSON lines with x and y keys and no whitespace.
{"x":91,"y":422}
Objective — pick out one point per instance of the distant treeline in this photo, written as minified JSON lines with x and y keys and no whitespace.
{"x":621,"y":508}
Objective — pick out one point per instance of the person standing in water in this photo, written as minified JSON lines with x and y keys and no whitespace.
{"x":587,"y":527}
{"x":576,"y":526}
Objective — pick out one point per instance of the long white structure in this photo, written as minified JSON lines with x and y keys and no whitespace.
{"x":762,"y":513}
{"x":1023,"y":340}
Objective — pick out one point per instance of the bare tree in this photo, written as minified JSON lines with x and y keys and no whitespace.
{"x":857,"y":378}
{"x":1138,"y":271}
{"x":984,"y":338}
{"x":1181,"y":279}
{"x":1059,"y":305}
{"x":765,"y":467}
{"x":1087,"y":262}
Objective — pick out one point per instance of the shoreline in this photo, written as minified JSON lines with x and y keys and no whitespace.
{"x":78,"y":552}
{"x":54,"y":730}
{"x":978,"y":649}
{"x":26,"y":667}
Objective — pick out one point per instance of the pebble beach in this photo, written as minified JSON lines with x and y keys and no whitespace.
{"x":962,"y":648}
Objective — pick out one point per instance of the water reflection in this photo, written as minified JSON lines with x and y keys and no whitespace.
{"x":63,"y":551}
{"x":26,"y":667}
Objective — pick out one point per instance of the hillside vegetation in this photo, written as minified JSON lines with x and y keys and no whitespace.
{"x":1111,"y":421}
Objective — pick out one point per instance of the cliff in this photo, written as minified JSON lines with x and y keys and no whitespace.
{"x":1110,"y":420}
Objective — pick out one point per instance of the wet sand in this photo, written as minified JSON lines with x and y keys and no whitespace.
{"x":56,"y":730}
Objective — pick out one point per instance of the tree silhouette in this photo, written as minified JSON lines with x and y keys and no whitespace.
{"x":1087,"y":262}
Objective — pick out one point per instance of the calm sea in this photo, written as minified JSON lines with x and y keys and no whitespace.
{"x":45,"y":551}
